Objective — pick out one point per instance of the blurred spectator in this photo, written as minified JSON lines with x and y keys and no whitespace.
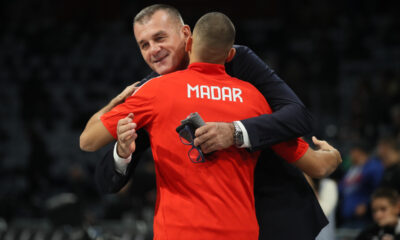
{"x":389,"y":153}
{"x":385,"y":212}
{"x":356,"y":187}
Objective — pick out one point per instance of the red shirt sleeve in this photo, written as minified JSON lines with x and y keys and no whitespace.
{"x":141,"y":104}
{"x":291,"y":150}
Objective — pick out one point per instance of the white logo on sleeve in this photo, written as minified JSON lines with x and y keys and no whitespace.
{"x":214,"y":93}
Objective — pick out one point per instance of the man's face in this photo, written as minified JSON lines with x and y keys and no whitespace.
{"x":162,"y":40}
{"x":384,"y":213}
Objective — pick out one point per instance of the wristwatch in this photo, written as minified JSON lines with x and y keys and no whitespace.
{"x":238,"y":135}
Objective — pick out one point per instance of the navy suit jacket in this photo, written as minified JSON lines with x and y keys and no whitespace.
{"x":285,"y":203}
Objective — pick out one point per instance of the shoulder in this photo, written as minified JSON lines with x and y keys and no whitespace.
{"x":243,"y":53}
{"x":148,"y":77}
{"x":243,"y":84}
{"x":248,"y":66}
{"x":162,"y":79}
{"x":241,"y":49}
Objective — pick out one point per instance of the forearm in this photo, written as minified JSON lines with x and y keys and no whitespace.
{"x":90,"y":140}
{"x":93,"y":136}
{"x":319,"y":163}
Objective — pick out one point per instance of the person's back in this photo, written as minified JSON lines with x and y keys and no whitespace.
{"x":216,"y":194}
{"x":208,"y":200}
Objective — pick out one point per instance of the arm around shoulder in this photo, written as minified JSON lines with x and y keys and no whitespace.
{"x":95,"y":135}
{"x":290,"y":118}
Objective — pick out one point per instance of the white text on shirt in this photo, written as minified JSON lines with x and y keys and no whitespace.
{"x":214,"y":93}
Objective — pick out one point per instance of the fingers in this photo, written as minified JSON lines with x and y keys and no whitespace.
{"x":202,"y":130}
{"x":130,"y":115}
{"x":315,"y":140}
{"x":210,"y":146}
{"x":318,"y":143}
{"x":126,"y":131}
{"x":202,"y":134}
{"x":126,"y":128}
{"x":204,"y":138}
{"x":135,"y":84}
{"x":322,"y":144}
{"x":129,"y":90}
{"x":128,"y":135}
{"x":213,"y":136}
{"x":133,"y":89}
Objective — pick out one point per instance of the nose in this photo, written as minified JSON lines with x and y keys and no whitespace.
{"x":378,"y":215}
{"x":155,"y":49}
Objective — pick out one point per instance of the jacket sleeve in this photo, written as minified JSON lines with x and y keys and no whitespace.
{"x":290,"y":118}
{"x":108,"y":180}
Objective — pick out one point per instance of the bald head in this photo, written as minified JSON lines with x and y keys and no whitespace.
{"x":213,"y":37}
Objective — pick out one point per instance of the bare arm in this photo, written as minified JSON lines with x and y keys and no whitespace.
{"x":319,"y":163}
{"x":95,"y":135}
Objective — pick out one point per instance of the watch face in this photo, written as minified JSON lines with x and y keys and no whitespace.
{"x":238,"y":135}
{"x":239,"y":139}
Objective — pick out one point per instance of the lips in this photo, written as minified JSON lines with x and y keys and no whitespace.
{"x":160,"y":56}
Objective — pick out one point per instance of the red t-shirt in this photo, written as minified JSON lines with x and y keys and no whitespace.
{"x":210,"y":200}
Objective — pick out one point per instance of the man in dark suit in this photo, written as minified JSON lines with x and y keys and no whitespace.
{"x":283,"y":197}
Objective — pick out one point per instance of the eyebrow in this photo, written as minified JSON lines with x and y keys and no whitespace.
{"x":157,"y":34}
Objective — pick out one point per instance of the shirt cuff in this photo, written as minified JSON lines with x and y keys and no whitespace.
{"x":121,"y":164}
{"x":246,"y":139}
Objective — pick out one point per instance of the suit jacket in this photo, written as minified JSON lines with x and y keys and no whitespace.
{"x":286,"y":205}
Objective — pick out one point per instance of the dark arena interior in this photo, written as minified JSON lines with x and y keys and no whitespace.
{"x":61,"y":61}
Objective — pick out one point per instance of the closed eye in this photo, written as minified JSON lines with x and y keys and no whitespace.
{"x":159,"y":39}
{"x":143,"y":46}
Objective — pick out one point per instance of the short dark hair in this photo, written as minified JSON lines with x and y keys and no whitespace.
{"x":387,"y":193}
{"x":215,"y":33}
{"x":146,"y":13}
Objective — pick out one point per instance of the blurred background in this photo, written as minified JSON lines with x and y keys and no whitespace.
{"x":61,"y":61}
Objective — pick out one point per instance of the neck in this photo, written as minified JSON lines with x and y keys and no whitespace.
{"x":195,"y":59}
{"x":185,"y":62}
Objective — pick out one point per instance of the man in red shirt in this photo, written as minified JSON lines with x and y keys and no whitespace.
{"x":213,"y":199}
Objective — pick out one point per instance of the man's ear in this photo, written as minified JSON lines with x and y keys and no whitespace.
{"x":188,"y":47}
{"x":186,"y":31}
{"x":231,"y":54}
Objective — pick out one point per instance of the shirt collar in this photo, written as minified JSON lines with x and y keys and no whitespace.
{"x":208,"y":68}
